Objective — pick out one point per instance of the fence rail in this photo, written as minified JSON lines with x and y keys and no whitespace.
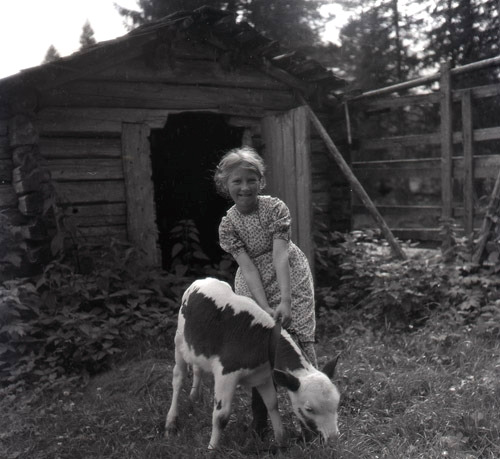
{"x":449,"y":160}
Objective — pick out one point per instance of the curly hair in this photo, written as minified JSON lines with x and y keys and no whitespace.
{"x":245,"y":157}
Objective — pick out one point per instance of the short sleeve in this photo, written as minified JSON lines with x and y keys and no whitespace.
{"x":280,"y":220}
{"x":229,"y":240}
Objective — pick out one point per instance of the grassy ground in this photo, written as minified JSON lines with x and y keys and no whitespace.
{"x":429,"y":393}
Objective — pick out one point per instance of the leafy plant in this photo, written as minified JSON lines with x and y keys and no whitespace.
{"x":66,"y":323}
{"x":189,"y":259}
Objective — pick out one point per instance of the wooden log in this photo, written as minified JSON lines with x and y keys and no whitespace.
{"x":8,"y":198}
{"x":6,"y":167}
{"x":23,"y":100}
{"x":95,"y":211}
{"x":31,"y":182}
{"x":22,"y":131}
{"x":79,"y":148}
{"x":353,"y":181}
{"x":89,"y":192}
{"x":163,"y":96}
{"x":85,"y":169}
{"x":468,"y":162}
{"x":34,"y":231}
{"x":31,"y":205}
{"x":190,"y":72}
{"x":27,"y":156}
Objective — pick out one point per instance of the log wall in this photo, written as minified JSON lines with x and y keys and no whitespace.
{"x":80,"y":128}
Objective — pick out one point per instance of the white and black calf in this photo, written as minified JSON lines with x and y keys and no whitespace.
{"x":231,"y":337}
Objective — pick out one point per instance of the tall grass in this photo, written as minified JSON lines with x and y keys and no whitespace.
{"x":432,"y":393}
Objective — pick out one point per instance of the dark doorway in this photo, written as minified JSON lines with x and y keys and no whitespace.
{"x":184,"y":155}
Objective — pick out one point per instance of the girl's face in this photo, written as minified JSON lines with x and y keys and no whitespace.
{"x":243,"y":186}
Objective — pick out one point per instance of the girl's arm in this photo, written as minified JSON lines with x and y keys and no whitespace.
{"x":282,"y":267}
{"x":253,"y":280}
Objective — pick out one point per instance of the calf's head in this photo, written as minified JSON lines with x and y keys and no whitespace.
{"x":315,"y":400}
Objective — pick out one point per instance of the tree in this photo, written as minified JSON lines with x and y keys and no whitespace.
{"x":375,"y":45}
{"x":51,"y":55}
{"x":295,"y":23}
{"x":87,"y":37}
{"x":463,"y":31}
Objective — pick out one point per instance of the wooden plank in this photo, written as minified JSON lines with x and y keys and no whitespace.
{"x":141,"y":218}
{"x":468,"y":162}
{"x":85,"y":169}
{"x":99,"y":220}
{"x":288,"y":172}
{"x":446,"y":142}
{"x":95,"y":210}
{"x":479,"y":135}
{"x":418,"y":234}
{"x":400,"y":141}
{"x":303,"y":183}
{"x":8,"y":198}
{"x":148,"y":95}
{"x":190,"y":72}
{"x":90,"y":192}
{"x":80,"y":148}
{"x":485,"y":166}
{"x":397,"y":102}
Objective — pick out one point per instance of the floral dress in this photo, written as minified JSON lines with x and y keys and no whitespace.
{"x":254,"y":234}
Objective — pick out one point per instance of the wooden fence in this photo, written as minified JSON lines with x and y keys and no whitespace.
{"x":440,"y":173}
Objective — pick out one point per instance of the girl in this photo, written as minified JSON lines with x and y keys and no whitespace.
{"x":256,"y":232}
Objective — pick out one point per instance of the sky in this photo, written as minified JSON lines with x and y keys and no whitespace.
{"x":29,"y":27}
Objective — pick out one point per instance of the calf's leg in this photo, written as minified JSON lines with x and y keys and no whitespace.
{"x":224,"y":389}
{"x":180,"y":371}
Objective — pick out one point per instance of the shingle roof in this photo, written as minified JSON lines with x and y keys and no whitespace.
{"x":216,"y":27}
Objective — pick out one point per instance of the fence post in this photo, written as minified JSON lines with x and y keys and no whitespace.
{"x":446,"y":150}
{"x":467,"y":134}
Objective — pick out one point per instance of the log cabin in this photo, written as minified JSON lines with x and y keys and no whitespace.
{"x":122,"y":137}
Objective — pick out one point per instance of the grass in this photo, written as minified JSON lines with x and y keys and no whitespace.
{"x":426,"y":393}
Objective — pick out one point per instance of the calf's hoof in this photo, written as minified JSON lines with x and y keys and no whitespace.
{"x":171,"y":429}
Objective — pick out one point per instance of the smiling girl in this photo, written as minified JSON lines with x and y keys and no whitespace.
{"x":256,"y":232}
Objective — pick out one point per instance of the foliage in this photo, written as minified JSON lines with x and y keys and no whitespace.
{"x":66,"y":323}
{"x":375,"y":46}
{"x":463,"y":31}
{"x":188,"y":258}
{"x":402,"y":293}
{"x":87,"y":37}
{"x":51,"y":55}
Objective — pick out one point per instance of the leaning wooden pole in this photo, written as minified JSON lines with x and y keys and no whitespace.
{"x":353,"y":181}
{"x":488,"y":221}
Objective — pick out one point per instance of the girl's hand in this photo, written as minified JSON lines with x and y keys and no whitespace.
{"x":283,"y":314}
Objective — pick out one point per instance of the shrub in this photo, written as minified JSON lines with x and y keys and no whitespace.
{"x":66,"y":323}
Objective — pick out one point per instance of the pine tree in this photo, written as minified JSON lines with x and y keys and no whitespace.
{"x":51,"y":55}
{"x":87,"y":37}
{"x":375,"y":45}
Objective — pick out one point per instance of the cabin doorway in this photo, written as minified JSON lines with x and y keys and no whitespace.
{"x":184,"y":155}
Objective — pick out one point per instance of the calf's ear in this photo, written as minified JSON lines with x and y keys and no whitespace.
{"x":329,"y":368}
{"x":285,"y":379}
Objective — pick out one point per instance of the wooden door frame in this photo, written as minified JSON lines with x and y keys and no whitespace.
{"x":286,"y":138}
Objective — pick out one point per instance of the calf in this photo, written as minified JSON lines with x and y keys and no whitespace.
{"x":231,"y":337}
